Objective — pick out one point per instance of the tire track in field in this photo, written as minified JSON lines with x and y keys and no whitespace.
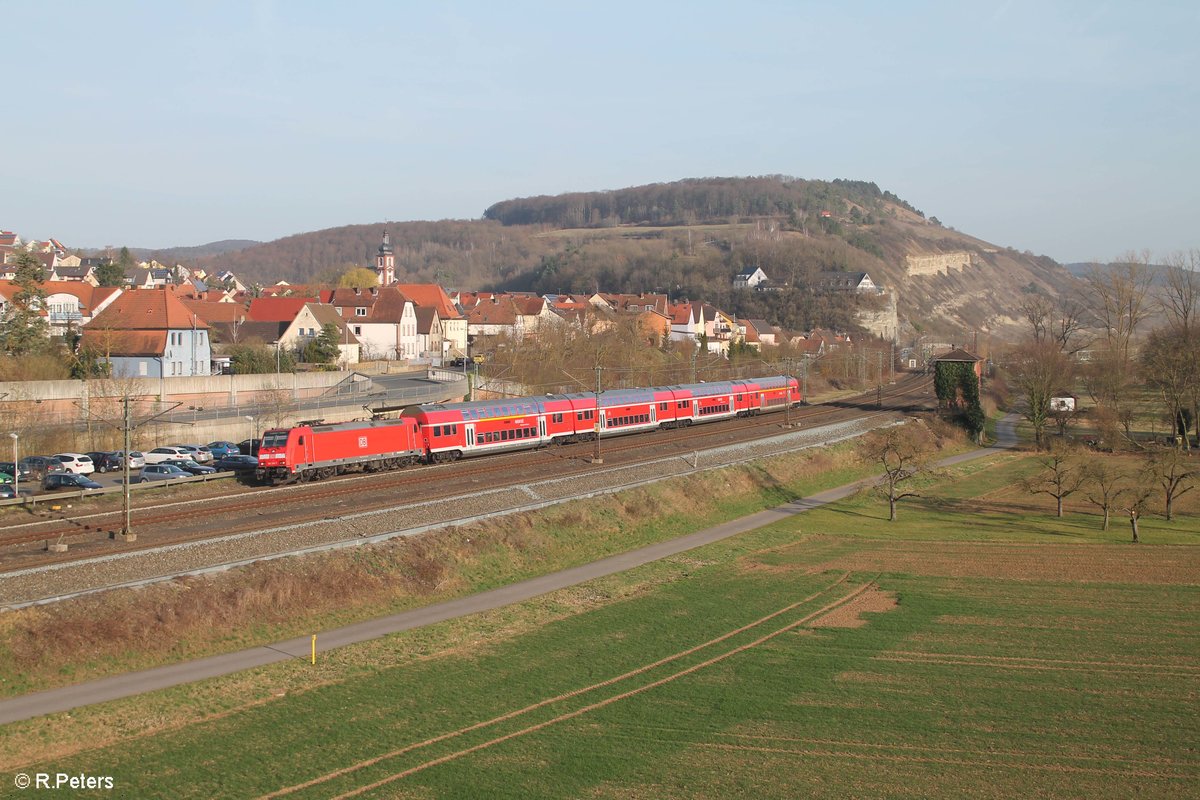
{"x":1032,"y":660}
{"x":922,"y":748}
{"x":559,"y":698}
{"x":1036,"y":664}
{"x":973,"y":763}
{"x":608,"y":701}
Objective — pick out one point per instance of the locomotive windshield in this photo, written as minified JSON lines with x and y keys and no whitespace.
{"x":275,"y":439}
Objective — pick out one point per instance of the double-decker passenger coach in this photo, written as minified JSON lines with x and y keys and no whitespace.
{"x":439,"y":432}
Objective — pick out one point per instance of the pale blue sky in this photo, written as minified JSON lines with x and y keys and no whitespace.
{"x":1069,"y":129}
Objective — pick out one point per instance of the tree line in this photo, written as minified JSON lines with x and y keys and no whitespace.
{"x":696,"y":200}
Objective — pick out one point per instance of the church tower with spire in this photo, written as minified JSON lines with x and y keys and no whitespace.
{"x":385,"y":262}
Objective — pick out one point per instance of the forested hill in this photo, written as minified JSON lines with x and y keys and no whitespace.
{"x":696,"y":200}
{"x":690,"y":238}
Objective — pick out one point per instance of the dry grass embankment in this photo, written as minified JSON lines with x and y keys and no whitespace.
{"x":191,"y":617}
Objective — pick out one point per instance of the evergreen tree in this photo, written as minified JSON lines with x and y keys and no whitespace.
{"x":323,"y":349}
{"x":258,"y":359}
{"x":109,"y":274}
{"x":125,"y":260}
{"x":23,"y":329}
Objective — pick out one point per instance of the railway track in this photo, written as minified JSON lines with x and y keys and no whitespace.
{"x":89,"y":535}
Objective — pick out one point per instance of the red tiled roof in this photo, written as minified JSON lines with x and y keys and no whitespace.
{"x":215,"y":312}
{"x":528,"y":306}
{"x":114,"y":342}
{"x":430,"y":295}
{"x":489,"y":313}
{"x":276,"y":309}
{"x":147,"y":309}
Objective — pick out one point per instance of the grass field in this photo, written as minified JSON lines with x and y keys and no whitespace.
{"x":955,"y":653}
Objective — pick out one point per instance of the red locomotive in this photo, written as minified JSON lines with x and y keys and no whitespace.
{"x":448,"y":431}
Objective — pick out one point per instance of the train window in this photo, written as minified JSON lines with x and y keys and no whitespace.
{"x":556,"y":418}
{"x":301,"y":440}
{"x":454,"y":429}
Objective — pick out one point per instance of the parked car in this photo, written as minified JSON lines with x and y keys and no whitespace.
{"x":136,"y":459}
{"x":249,"y":447}
{"x":39,"y":467}
{"x":8,"y":493}
{"x":161,"y":454}
{"x":68,"y":480}
{"x":9,"y":468}
{"x":79,"y":463}
{"x":222,"y":449}
{"x":197,"y":452}
{"x":190,"y":466}
{"x":163,"y":472}
{"x":5,"y":478}
{"x":104,"y":461}
{"x":236,"y":463}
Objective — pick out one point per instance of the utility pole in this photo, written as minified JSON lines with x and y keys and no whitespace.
{"x":16,"y":466}
{"x":879,"y":378}
{"x":893,"y":363}
{"x":804,"y":380}
{"x":787,"y":393}
{"x":596,"y":459}
{"x":126,"y":427}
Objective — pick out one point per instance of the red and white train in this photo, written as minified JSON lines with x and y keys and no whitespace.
{"x":449,"y":431}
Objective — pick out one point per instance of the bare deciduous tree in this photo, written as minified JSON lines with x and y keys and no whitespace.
{"x":1119,"y":294}
{"x":1105,"y":483}
{"x":1063,"y":475}
{"x":1181,"y":295}
{"x":1038,"y":369}
{"x":1174,"y":472}
{"x":1062,"y":321}
{"x":904,"y":451}
{"x":1168,"y":364}
{"x":1134,"y":499}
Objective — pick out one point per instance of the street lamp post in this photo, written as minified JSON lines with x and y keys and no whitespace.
{"x":253,"y":432}
{"x":16,"y":467}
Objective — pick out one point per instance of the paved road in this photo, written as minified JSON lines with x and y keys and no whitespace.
{"x":118,"y":686}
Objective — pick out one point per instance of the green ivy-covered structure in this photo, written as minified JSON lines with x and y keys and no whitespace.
{"x":956,"y":379}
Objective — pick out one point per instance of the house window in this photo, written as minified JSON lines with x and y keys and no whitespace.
{"x":360,"y":312}
{"x":358,"y":330}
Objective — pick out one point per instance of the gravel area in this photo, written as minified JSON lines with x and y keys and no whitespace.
{"x":57,"y":582}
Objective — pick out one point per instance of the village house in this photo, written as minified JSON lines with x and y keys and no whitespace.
{"x":451,"y":320}
{"x":859,"y":282}
{"x":431,"y":345}
{"x":149,"y":333}
{"x":381,"y":317}
{"x":750,"y":278}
